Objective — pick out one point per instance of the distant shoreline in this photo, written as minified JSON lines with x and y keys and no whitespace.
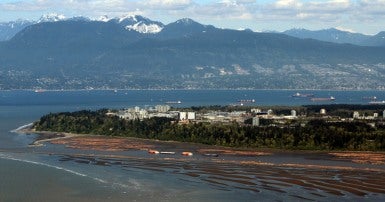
{"x":187,"y":89}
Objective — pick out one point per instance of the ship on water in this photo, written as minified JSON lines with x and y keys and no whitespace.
{"x":302,"y":95}
{"x":247,"y":101}
{"x":320,"y":99}
{"x":39,"y":90}
{"x":371,"y":98}
{"x":174,"y":102}
{"x":377,"y":102}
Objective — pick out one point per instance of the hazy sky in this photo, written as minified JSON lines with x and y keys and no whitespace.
{"x":364,"y":16}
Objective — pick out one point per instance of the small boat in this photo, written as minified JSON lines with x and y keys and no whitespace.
{"x":152,"y":151}
{"x":167,"y":152}
{"x":211,"y":155}
{"x":187,"y":153}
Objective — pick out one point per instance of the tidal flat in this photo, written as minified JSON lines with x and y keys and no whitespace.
{"x":299,"y":175}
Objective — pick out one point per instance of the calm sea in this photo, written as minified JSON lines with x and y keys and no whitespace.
{"x":49,"y":173}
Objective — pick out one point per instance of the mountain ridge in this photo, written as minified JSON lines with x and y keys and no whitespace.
{"x":82,"y":54}
{"x":147,"y":26}
{"x":338,"y":36}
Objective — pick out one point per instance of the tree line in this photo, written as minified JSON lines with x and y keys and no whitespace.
{"x":316,"y":134}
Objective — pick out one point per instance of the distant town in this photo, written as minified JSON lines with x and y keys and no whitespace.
{"x":248,"y":115}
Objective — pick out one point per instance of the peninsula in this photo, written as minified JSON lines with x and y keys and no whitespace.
{"x":318,"y":127}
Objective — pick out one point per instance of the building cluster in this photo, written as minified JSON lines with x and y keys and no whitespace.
{"x":255,"y":115}
{"x":185,"y":116}
{"x":140,"y":113}
{"x":357,"y":115}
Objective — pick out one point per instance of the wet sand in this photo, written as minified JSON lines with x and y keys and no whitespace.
{"x":312,"y":183}
{"x":315,"y":176}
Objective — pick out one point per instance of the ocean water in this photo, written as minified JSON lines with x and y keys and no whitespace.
{"x":55,"y":172}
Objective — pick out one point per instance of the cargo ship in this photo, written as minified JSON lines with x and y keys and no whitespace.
{"x":247,"y":101}
{"x":320,"y":99}
{"x":372,"y":98}
{"x":174,"y":102}
{"x":302,"y":95}
{"x":377,"y":102}
{"x":39,"y":91}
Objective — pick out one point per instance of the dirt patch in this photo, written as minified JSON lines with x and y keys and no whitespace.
{"x":375,"y":158}
{"x":102,"y":143}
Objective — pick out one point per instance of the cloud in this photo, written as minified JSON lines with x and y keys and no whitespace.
{"x":373,"y":7}
{"x":307,"y":10}
{"x":224,"y":10}
{"x":167,"y":4}
{"x":287,"y":4}
{"x":232,"y":9}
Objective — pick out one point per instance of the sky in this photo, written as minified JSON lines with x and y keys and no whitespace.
{"x":363,"y":16}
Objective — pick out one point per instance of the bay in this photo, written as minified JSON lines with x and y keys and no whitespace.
{"x":45,"y":173}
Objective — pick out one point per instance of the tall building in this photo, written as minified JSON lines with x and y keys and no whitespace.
{"x":256,"y":121}
{"x":356,"y":115}
{"x":293,"y":113}
{"x":191,"y":115}
{"x":162,"y":108}
{"x":186,"y":116}
{"x":375,"y":115}
{"x":182,"y":115}
{"x":137,"y":109}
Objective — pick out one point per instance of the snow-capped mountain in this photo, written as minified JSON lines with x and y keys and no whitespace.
{"x":78,"y":18}
{"x":78,"y":54}
{"x":9,"y":29}
{"x":140,"y":24}
{"x":103,"y":18}
{"x":51,"y":17}
{"x":187,"y":27}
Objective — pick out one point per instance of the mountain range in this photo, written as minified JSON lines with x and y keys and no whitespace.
{"x":338,"y":36}
{"x":145,"y":25}
{"x":134,"y":52}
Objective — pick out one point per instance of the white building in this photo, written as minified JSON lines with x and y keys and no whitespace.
{"x":191,"y":115}
{"x":356,"y":115}
{"x":137,"y":109}
{"x":322,"y":111}
{"x":182,"y":115}
{"x":256,"y":121}
{"x":162,"y":108}
{"x":293,"y":113}
{"x":375,"y":115}
{"x":186,"y":116}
